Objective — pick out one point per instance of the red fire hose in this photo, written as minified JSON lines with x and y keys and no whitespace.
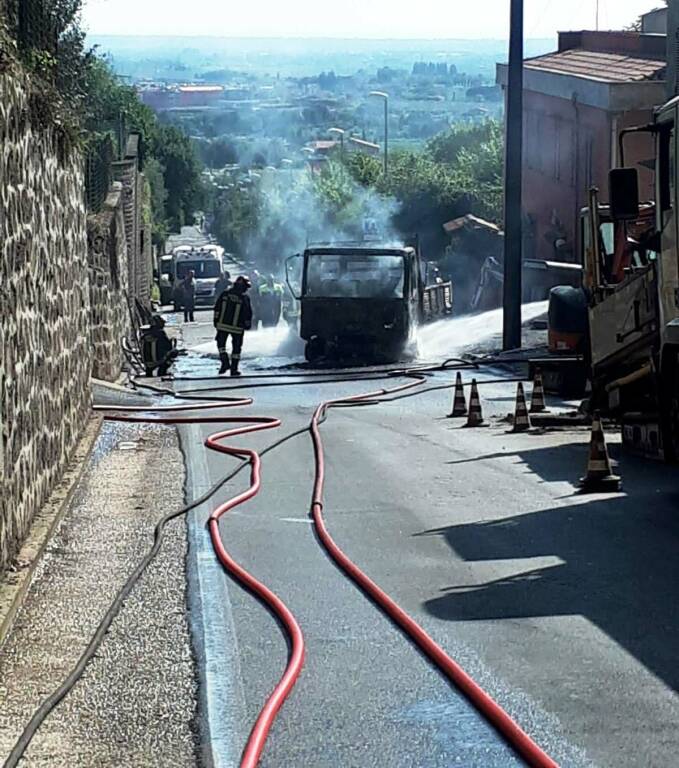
{"x":249,"y":424}
{"x":495,"y":715}
{"x":493,"y":712}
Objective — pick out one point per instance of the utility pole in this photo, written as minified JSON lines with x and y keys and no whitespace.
{"x":597,"y":15}
{"x":385,"y":97}
{"x":513,"y":177}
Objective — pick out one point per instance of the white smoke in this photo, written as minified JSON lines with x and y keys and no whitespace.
{"x":451,"y":337}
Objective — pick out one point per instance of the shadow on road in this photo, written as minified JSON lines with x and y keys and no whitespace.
{"x":621,"y":560}
{"x":554,"y":464}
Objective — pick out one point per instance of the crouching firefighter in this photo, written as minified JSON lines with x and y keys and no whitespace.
{"x":233,"y":316}
{"x":157,"y":350}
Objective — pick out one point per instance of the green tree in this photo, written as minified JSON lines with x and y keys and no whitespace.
{"x":365,"y":169}
{"x":109,"y":102}
{"x":182,"y":174}
{"x":176,"y":177}
{"x":155,"y":175}
{"x":458,"y":172}
{"x":446,"y":147}
{"x":236,"y":216}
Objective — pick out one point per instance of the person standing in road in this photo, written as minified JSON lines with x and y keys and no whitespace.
{"x":233,"y":316}
{"x":223,"y":284}
{"x":188,"y":295}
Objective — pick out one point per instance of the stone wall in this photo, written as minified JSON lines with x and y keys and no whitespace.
{"x":45,"y":350}
{"x":108,"y":278}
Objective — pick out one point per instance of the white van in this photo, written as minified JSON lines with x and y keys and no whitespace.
{"x":206,"y":263}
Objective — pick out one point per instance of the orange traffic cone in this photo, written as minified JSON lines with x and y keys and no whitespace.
{"x":459,"y":402}
{"x":537,"y":400}
{"x":599,"y":478}
{"x":475,"y":417}
{"x":521,"y":417}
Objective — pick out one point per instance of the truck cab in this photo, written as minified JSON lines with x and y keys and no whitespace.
{"x":632,"y":279}
{"x":362,"y":301}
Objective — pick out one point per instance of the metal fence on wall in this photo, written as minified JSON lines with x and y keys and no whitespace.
{"x":98,"y":173}
{"x":33,"y":24}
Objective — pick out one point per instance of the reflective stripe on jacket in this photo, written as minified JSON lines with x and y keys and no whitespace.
{"x":155,"y":347}
{"x":233,"y":312}
{"x":149,"y":351}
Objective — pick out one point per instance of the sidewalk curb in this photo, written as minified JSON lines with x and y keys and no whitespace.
{"x":221,"y":699}
{"x":14,"y":585}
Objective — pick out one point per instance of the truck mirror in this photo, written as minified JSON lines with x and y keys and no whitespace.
{"x":293,"y":275}
{"x":624,"y":194}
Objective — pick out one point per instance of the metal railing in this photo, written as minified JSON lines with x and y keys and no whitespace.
{"x":98,"y":173}
{"x":33,"y":25}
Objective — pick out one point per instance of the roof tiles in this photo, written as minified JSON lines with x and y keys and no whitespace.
{"x":594,"y":65}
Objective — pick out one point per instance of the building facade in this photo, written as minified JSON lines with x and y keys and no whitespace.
{"x":576,"y":101}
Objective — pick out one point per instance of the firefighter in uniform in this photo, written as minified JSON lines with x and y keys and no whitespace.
{"x":156,"y":348}
{"x":233,"y":316}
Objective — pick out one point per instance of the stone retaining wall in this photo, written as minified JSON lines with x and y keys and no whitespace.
{"x":109,"y":288}
{"x":45,"y":350}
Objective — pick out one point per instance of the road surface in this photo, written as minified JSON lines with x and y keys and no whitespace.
{"x":562,"y":606}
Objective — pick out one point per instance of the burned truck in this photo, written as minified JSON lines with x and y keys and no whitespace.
{"x":360,"y":302}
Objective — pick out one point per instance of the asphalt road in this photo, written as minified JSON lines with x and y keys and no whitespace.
{"x":562,"y":606}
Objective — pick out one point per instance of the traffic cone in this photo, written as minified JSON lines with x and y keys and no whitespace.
{"x":537,"y":400}
{"x":521,"y":417}
{"x":459,"y":402}
{"x":599,"y":477}
{"x":475,"y":417}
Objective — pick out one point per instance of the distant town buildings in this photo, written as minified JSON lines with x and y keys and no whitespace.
{"x":164,"y":97}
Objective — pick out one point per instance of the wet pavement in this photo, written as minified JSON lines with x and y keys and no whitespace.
{"x":559,"y":605}
{"x":136,"y":703}
{"x":482,"y":536}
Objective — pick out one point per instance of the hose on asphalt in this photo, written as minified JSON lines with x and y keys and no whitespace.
{"x":256,"y":742}
{"x":512,"y":733}
{"x":257,"y":739}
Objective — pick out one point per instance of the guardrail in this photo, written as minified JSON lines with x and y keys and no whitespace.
{"x":437,"y":300}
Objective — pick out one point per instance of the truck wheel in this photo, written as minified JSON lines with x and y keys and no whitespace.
{"x":314,"y":350}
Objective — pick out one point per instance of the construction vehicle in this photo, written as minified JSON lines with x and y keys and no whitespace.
{"x":363,"y":301}
{"x":631,"y":275}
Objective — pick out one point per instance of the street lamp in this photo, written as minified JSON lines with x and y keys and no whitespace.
{"x":339,"y":132}
{"x":385,"y":96}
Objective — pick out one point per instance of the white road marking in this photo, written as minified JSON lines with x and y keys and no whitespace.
{"x":222,"y":704}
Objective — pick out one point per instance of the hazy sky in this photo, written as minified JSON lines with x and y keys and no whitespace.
{"x":352,"y":18}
